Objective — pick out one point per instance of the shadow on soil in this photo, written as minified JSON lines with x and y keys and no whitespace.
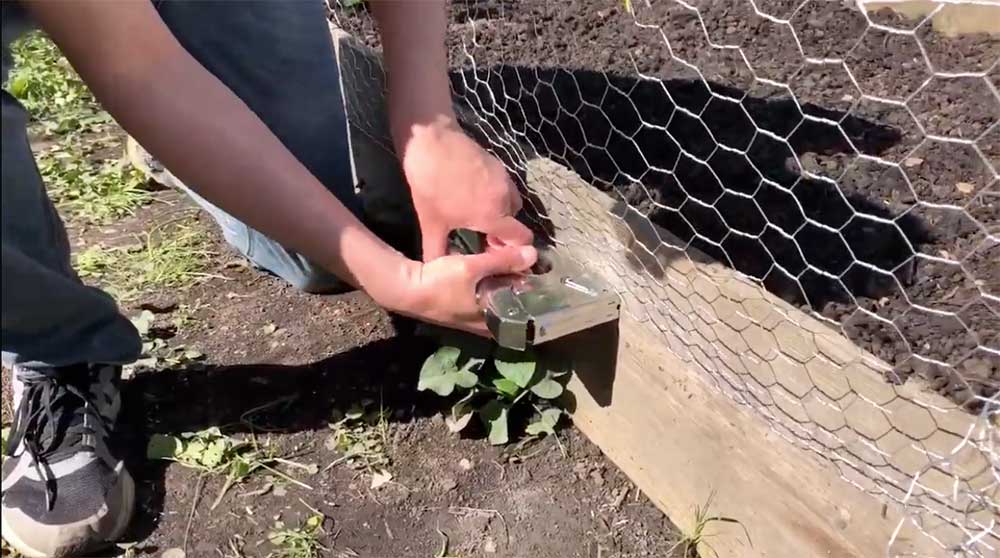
{"x":273,"y":398}
{"x":749,"y":205}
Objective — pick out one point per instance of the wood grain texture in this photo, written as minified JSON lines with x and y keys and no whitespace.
{"x":695,"y":340}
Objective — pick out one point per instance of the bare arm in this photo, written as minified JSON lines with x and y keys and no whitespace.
{"x":208,"y":137}
{"x":413,"y":46}
{"x":454,"y":182}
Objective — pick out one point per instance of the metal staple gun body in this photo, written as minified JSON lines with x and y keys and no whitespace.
{"x":556,"y":299}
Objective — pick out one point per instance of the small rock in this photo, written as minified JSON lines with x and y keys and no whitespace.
{"x":489,"y":546}
{"x":380,"y":478}
{"x":465,"y":464}
{"x":173,"y":553}
{"x":597,"y":477}
{"x":449,"y":484}
{"x":912,"y":161}
{"x":965,"y":187}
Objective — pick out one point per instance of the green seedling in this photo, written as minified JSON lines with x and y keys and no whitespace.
{"x":361,"y":436}
{"x":298,"y":542}
{"x":697,"y":538}
{"x":212,"y":452}
{"x":490,"y":381}
{"x":174,"y":258}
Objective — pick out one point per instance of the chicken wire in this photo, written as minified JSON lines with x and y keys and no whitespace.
{"x":774,"y":234}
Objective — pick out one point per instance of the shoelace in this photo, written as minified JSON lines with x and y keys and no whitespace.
{"x":45,"y":428}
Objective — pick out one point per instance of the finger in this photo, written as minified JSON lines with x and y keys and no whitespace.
{"x":434,"y":242}
{"x":516,"y":202}
{"x":508,"y":231}
{"x":501,"y":261}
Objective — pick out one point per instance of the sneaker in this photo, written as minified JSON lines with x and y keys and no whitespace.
{"x":65,"y":492}
{"x":145,"y":163}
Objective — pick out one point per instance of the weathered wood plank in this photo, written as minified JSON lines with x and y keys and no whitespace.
{"x":695,"y":330}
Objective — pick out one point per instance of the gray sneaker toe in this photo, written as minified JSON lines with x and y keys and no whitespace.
{"x":92,"y":512}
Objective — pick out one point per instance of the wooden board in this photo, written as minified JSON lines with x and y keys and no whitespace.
{"x":711,"y":384}
{"x":663,"y":405}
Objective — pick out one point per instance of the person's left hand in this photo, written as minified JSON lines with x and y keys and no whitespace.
{"x":456,"y":184}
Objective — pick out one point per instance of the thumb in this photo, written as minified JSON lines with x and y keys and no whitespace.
{"x":434,"y":242}
{"x":507,"y":231}
{"x":502,"y":261}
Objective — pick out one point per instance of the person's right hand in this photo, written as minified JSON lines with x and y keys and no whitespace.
{"x":443,"y":291}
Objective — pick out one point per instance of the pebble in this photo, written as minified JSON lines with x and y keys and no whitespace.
{"x":465,"y":464}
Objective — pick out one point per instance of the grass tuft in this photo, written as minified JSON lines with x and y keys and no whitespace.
{"x":158,"y":260}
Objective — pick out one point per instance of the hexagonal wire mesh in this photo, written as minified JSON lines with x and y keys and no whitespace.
{"x":801,"y":197}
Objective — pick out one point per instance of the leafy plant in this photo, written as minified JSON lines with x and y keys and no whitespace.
{"x":491,"y":382}
{"x":79,"y":148}
{"x":212,"y":452}
{"x":97,"y":191}
{"x":50,"y":89}
{"x":361,"y":436}
{"x":697,"y":537}
{"x":298,"y":542}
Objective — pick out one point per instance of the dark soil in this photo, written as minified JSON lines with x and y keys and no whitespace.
{"x":283,"y":361}
{"x":852,"y":213}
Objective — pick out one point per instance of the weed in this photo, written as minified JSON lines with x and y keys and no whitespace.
{"x":361,"y":436}
{"x":96,"y":191}
{"x":50,"y":89}
{"x":697,"y":537}
{"x":157,"y":261}
{"x":212,"y":452}
{"x":156,"y":353}
{"x":298,"y":542}
{"x":80,"y":176}
{"x":492,"y":381}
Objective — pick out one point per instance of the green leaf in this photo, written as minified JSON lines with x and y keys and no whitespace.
{"x":192,"y":451}
{"x":506,"y":387}
{"x":494,"y":416}
{"x":213,"y":454}
{"x":161,"y":446}
{"x":314,"y":522}
{"x":240,"y":469}
{"x":440,"y":372}
{"x":461,"y":413}
{"x":544,"y":423}
{"x":516,"y":366}
{"x":547,"y":389}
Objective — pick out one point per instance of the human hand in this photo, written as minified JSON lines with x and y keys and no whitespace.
{"x":443,"y":291}
{"x":456,"y":184}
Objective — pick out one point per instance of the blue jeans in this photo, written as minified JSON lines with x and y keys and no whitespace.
{"x":278,"y":57}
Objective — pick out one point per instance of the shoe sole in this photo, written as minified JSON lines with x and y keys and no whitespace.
{"x":139,"y":158}
{"x":127,"y":504}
